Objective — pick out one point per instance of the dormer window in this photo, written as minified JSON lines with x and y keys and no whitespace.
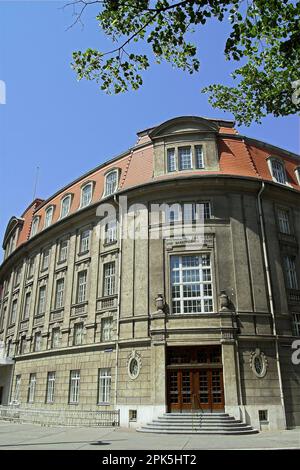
{"x":277,"y":171}
{"x":48,"y":216}
{"x":185,"y":158}
{"x":34,"y":226}
{"x":65,"y":206}
{"x":297,"y":172}
{"x":111,"y":182}
{"x":86,"y":195}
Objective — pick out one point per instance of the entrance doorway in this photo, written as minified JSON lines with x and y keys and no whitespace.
{"x":195,"y":379}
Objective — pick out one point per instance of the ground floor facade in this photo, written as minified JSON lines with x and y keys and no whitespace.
{"x":151,"y":378}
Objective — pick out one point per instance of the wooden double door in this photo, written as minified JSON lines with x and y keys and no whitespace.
{"x":195,"y":388}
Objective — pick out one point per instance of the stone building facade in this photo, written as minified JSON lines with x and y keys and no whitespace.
{"x":94,"y":318}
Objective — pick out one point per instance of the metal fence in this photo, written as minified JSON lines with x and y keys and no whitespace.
{"x":60,"y":417}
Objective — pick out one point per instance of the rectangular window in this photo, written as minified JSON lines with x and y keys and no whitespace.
{"x":81,"y":286}
{"x":41,"y":301}
{"x":296,"y":324}
{"x":199,"y":157}
{"x":45,"y":259}
{"x":10,"y":348}
{"x":111,"y":231}
{"x":171,"y":160}
{"x":30,"y":268}
{"x":13,"y":315}
{"x":191,"y":284}
{"x":84,"y":241}
{"x":37,"y":342}
{"x":63,"y":251}
{"x":278,"y":171}
{"x":185,"y":158}
{"x":18,"y":277}
{"x":22,"y":347}
{"x":27,"y":302}
{"x":106,"y":329}
{"x":104,"y":386}
{"x":59,"y":294}
{"x":55,"y":342}
{"x":50,"y":387}
{"x":291,"y":273}
{"x":283,"y":221}
{"x":109,"y":279}
{"x":17,"y":388}
{"x":31,"y":388}
{"x":78,"y":334}
{"x":74,"y":386}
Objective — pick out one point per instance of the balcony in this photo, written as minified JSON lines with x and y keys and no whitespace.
{"x":106,"y":303}
{"x":24,"y":324}
{"x":56,"y":315}
{"x":79,"y":309}
{"x":293,"y":296}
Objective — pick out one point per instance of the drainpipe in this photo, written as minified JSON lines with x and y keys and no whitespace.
{"x":270,"y":296}
{"x":119,"y":296}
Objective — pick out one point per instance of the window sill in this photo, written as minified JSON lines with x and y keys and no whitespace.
{"x":81,"y":253}
{"x":103,"y":403}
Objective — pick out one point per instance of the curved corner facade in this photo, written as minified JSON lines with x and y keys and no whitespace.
{"x":151,"y":311}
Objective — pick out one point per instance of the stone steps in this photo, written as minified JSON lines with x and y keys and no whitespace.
{"x":197,"y":423}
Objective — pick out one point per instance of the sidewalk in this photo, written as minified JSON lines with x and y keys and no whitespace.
{"x":31,"y":436}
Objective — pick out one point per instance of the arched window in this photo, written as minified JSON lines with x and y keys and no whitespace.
{"x":86,"y":195}
{"x":34,"y":226}
{"x":48,"y":216}
{"x":111,"y":182}
{"x":278,"y":171}
{"x":297,"y":172}
{"x":65,"y":206}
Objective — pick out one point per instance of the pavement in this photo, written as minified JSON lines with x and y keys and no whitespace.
{"x":18,"y":436}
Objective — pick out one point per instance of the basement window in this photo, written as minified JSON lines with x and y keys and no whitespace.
{"x":132,"y":415}
{"x":263,"y":415}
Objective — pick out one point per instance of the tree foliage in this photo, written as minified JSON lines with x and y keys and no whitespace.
{"x":264,"y":42}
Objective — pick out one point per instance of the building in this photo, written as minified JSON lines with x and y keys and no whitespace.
{"x":94,"y":319}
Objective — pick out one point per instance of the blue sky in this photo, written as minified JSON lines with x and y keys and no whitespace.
{"x":67,"y":127}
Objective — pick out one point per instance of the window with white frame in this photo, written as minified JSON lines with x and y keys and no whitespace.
{"x":45,"y":259}
{"x":185,"y":158}
{"x":63,"y":251}
{"x":17,"y":388}
{"x":111,"y":181}
{"x":65,"y":206}
{"x":109,"y":275}
{"x":34,"y":226}
{"x":199,"y":157}
{"x":111,"y":231}
{"x":85,"y":241}
{"x":104,"y":387}
{"x":13,"y":315}
{"x":48,"y":216}
{"x":55,"y":341}
{"x":106,"y":329}
{"x":86,"y":195}
{"x":297,"y":173}
{"x":291,"y":272}
{"x":284,"y":221}
{"x":31,"y":388}
{"x":191,"y":284}
{"x":78,"y":334}
{"x":27,"y":303}
{"x":50,"y":387}
{"x":37,"y":342}
{"x":74,"y":386}
{"x":171,"y":160}
{"x":41,"y":301}
{"x":296,"y":324}
{"x":278,"y":171}
{"x":81,"y":286}
{"x":59,"y":293}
